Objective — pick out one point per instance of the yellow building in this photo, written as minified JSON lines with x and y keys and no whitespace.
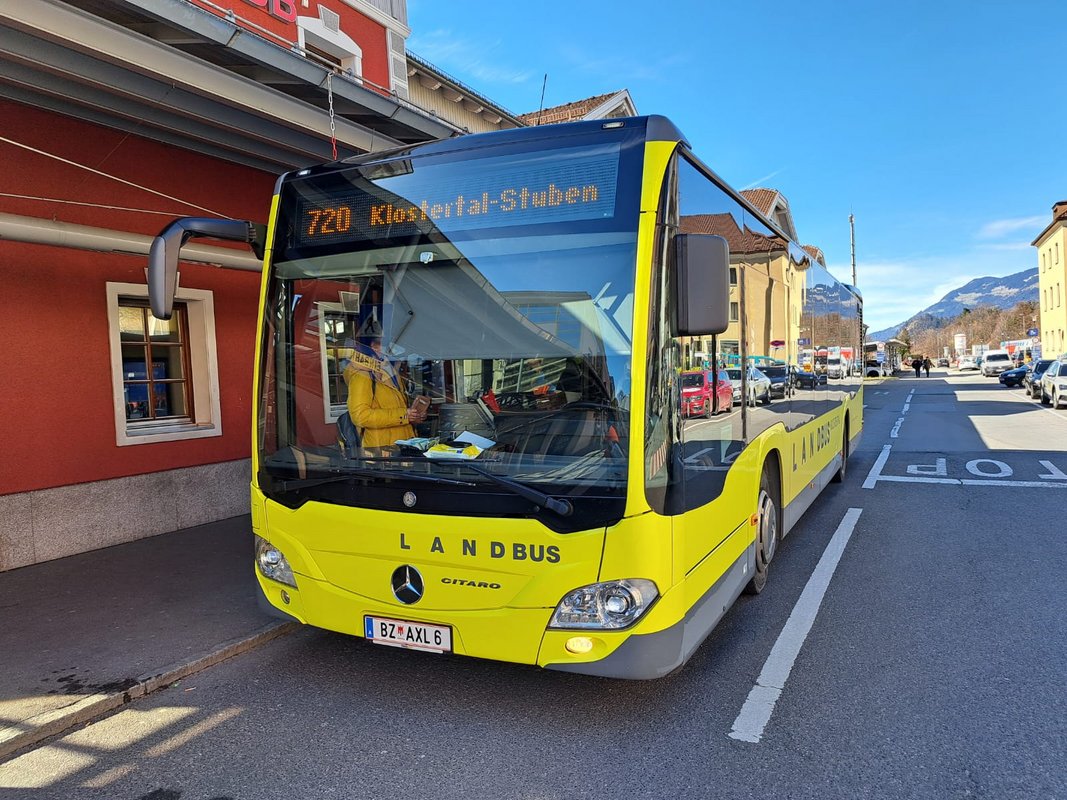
{"x":1051,"y":246}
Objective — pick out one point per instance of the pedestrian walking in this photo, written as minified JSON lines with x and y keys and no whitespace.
{"x":926,"y":366}
{"x":917,"y":365}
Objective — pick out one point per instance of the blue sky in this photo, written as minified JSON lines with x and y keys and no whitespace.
{"x":938,"y":124}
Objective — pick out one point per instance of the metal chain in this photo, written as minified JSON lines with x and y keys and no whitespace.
{"x":333,"y":127}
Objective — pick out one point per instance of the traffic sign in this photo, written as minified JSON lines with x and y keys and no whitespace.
{"x":1033,"y":332}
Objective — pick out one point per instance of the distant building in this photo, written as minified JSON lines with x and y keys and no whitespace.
{"x":602,"y":106}
{"x":780,"y":279}
{"x":1051,"y":246}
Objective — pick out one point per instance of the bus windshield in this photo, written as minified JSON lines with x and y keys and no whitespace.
{"x":498,"y":284}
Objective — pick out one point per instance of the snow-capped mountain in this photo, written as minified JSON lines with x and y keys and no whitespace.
{"x":1000,"y":292}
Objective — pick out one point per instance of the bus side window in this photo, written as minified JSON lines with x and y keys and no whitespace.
{"x":711,"y":433}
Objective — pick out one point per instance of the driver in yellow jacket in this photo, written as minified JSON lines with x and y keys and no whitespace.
{"x":377,"y":400}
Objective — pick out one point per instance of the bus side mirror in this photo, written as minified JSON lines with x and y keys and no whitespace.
{"x":701,"y":284}
{"x":163,"y":254}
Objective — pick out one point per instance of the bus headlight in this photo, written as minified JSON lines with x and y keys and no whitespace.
{"x":272,"y":563}
{"x":611,"y":605}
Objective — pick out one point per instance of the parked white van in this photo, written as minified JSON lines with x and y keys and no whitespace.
{"x":995,"y":362}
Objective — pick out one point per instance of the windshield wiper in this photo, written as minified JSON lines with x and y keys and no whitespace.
{"x":286,"y":485}
{"x":542,"y":500}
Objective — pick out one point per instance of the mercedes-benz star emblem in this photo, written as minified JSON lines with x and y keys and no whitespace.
{"x":410,"y":499}
{"x":407,"y":584}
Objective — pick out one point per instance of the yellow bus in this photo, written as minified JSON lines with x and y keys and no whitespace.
{"x":468,"y":428}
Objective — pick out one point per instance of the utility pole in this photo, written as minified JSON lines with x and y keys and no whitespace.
{"x":852,"y":238}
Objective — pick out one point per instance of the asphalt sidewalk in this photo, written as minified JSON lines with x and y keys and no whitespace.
{"x":82,"y":635}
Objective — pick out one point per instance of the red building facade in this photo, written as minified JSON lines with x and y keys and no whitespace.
{"x":119,"y":426}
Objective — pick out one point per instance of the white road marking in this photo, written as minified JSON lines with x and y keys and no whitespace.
{"x":1053,"y":411}
{"x":1002,"y":469}
{"x":876,"y":468}
{"x":937,"y":469}
{"x":937,"y":473}
{"x":964,"y":482}
{"x":758,"y":707}
{"x":893,"y":434}
{"x":1055,"y":473}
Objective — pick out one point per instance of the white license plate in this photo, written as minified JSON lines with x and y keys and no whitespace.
{"x":414,"y":635}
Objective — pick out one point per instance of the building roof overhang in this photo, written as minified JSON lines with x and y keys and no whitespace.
{"x":174,"y":72}
{"x":434,"y":77}
{"x":1060,"y":221}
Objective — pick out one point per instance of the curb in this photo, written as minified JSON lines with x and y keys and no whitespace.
{"x":36,"y":729}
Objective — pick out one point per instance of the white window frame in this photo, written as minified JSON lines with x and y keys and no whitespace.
{"x":311,"y":30}
{"x":204,"y":366}
{"x":331,"y":412}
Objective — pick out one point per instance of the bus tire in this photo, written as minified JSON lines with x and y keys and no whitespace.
{"x":768,"y":533}
{"x":839,"y":476}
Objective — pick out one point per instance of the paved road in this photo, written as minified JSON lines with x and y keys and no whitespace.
{"x":933,"y":669}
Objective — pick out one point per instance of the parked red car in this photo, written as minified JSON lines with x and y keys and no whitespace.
{"x":701,"y":396}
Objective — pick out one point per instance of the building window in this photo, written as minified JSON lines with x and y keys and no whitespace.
{"x":325,"y":57}
{"x":324,"y":40}
{"x":733,"y":276}
{"x":1057,"y":246}
{"x":337,"y":333}
{"x":729,"y":353}
{"x":164,"y":373}
{"x":155,"y":364}
{"x":734,"y":312}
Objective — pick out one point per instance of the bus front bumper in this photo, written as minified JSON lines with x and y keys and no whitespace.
{"x":645,"y":651}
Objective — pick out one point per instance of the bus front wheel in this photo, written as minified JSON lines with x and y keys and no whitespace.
{"x":768,"y":533}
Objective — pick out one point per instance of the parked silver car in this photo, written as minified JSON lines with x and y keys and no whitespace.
{"x":757,"y":385}
{"x":1054,"y":384}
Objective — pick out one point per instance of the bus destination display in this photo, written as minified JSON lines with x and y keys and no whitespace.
{"x":452,"y":199}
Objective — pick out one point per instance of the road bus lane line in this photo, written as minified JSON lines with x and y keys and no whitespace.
{"x":876,"y":467}
{"x":893,"y":434}
{"x":759,"y":705}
